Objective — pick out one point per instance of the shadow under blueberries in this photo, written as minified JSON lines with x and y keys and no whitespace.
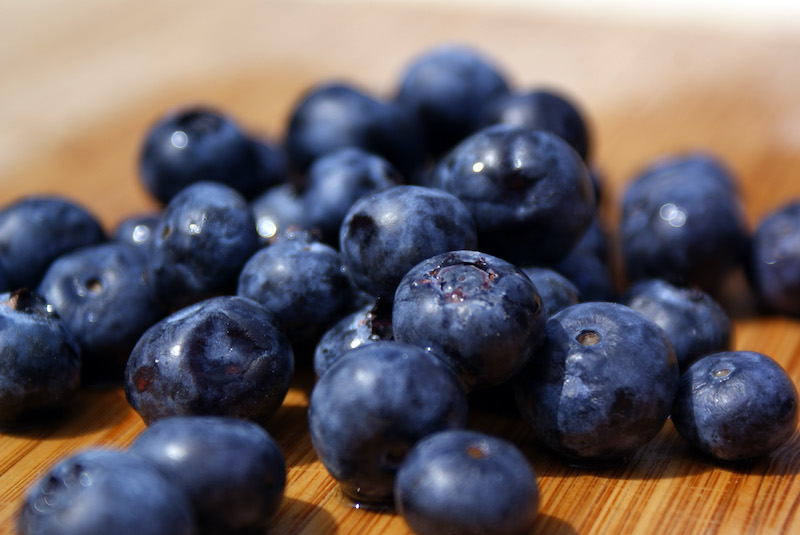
{"x":552,"y":525}
{"x":297,"y":516}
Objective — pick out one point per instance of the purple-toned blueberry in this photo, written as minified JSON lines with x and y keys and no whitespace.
{"x":528,"y":191}
{"x":370,"y":408}
{"x":446,"y":87}
{"x":479,"y":313}
{"x":556,"y":291}
{"x":96,"y":492}
{"x":277,"y":210}
{"x":102,"y":294}
{"x":232,"y":471}
{"x":602,"y":384}
{"x":138,"y":229}
{"x":40,"y":363}
{"x":34,"y":231}
{"x":225,"y":356}
{"x":464,"y":482}
{"x":387,"y":233}
{"x":736,"y":405}
{"x":694,"y":322}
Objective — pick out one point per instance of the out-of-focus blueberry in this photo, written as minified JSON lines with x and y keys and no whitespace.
{"x":556,"y":291}
{"x":137,"y":230}
{"x":277,"y":210}
{"x":272,"y":162}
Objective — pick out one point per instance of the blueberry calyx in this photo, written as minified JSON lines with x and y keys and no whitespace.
{"x":28,"y":302}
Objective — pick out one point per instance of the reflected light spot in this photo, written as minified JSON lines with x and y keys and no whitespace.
{"x":477,"y":167}
{"x":672,"y":215}
{"x":266,"y":227}
{"x":141,"y":233}
{"x":175,"y":350}
{"x":176,"y":452}
{"x":354,"y":343}
{"x":179,"y":139}
{"x":195,"y":228}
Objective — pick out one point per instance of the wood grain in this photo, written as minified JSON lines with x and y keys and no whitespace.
{"x":80,"y":86}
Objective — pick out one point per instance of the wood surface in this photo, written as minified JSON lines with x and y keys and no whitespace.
{"x":81,"y":81}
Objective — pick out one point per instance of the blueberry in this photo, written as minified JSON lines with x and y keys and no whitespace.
{"x":481,"y":314}
{"x":369,"y":409}
{"x":556,"y":291}
{"x":199,"y":248}
{"x":138,"y":229}
{"x":735,"y":405}
{"x":589,"y":266}
{"x":232,"y":470}
{"x":277,"y":210}
{"x":96,"y":492}
{"x":463,"y":482}
{"x":224,"y":356}
{"x":446,"y":87}
{"x":528,"y":191}
{"x":34,"y":231}
{"x":40,"y":362}
{"x":602,"y":385}
{"x":694,"y":322}
{"x":102,"y":294}
{"x":386,"y":233}
{"x":272,"y":162}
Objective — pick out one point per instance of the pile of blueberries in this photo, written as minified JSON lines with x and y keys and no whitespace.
{"x":413,"y":250}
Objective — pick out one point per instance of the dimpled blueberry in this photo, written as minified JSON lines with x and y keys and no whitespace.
{"x":528,"y":191}
{"x":463,"y":482}
{"x":736,"y":405}
{"x":479,"y":313}
{"x":602,"y":385}
{"x":277,"y":210}
{"x":40,"y":362}
{"x":556,"y":291}
{"x":199,"y":248}
{"x":387,"y":233}
{"x":97,"y":492}
{"x":34,"y":231}
{"x":370,"y":408}
{"x":224,"y":356}
{"x":232,"y":470}
{"x":138,"y":229}
{"x":102,"y":294}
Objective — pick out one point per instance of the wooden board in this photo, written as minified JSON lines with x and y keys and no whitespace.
{"x":79,"y":85}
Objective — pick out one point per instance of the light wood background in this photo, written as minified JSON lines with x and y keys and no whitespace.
{"x":81,"y":81}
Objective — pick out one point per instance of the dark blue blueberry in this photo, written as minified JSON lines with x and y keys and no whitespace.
{"x":277,"y":210}
{"x":137,"y":230}
{"x":370,"y":408}
{"x":224,"y":356}
{"x":479,"y":313}
{"x":337,"y":180}
{"x":463,"y":482}
{"x":695,"y":323}
{"x":556,"y":291}
{"x":198,"y":144}
{"x":682,"y":221}
{"x":774,"y":263}
{"x":542,"y":109}
{"x":528,"y":191}
{"x":102,"y":294}
{"x":602,"y":385}
{"x":97,"y":492}
{"x":332,"y":116}
{"x":40,"y":362}
{"x":735,"y":405}
{"x":232,"y":471}
{"x":387,"y":233}
{"x":34,"y":231}
{"x":588,"y":265}
{"x":199,"y":248}
{"x":272,"y":162}
{"x":446,"y":87}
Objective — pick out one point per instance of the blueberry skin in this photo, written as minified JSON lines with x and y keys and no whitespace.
{"x":735,"y":405}
{"x":201,"y":245}
{"x":273,"y":164}
{"x":40,"y":363}
{"x":446,"y":87}
{"x":224,"y":356}
{"x":277,"y":210}
{"x":588,"y":265}
{"x":386,"y":233}
{"x":556,"y":291}
{"x":96,"y":492}
{"x":232,"y":471}
{"x":464,"y":482}
{"x":774,"y":260}
{"x":369,"y":409}
{"x":198,"y":144}
{"x":695,"y":323}
{"x":138,"y":229}
{"x":102,"y":294}
{"x":34,"y":231}
{"x":602,"y":385}
{"x":528,"y":191}
{"x":479,"y":313}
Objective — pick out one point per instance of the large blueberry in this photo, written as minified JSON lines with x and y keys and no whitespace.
{"x":232,"y":470}
{"x":479,"y":313}
{"x":528,"y":191}
{"x":224,"y":356}
{"x":736,"y":405}
{"x":386,"y":233}
{"x":602,"y":385}
{"x":97,"y":492}
{"x":370,"y":408}
{"x":463,"y":482}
